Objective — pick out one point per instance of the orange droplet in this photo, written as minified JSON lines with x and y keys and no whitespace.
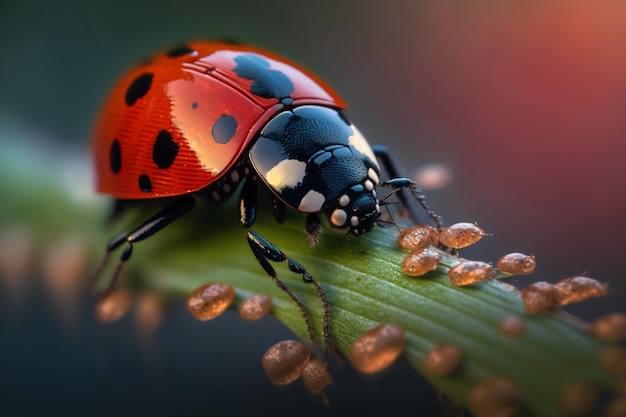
{"x":494,"y":397}
{"x":460,"y":235}
{"x":284,"y":362}
{"x":377,"y":348}
{"x":611,"y":327}
{"x":113,"y":306}
{"x":538,"y":297}
{"x":255,"y":307}
{"x":517,"y":264}
{"x":418,"y":237}
{"x":575,"y":289}
{"x":421,"y":261}
{"x":148,"y":313}
{"x":579,"y":398}
{"x":316,"y":376}
{"x":470,"y":272}
{"x":210,"y":300}
{"x":512,"y":326}
{"x":613,"y":360}
{"x":443,"y":360}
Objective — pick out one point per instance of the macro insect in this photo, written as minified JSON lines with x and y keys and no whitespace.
{"x":206,"y":119}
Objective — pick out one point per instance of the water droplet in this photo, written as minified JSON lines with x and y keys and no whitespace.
{"x":255,"y":307}
{"x":316,"y":376}
{"x":210,"y":300}
{"x":577,"y":288}
{"x":418,"y":237}
{"x":377,"y":348}
{"x":284,"y":362}
{"x":494,"y":397}
{"x":512,"y":326}
{"x":579,"y":398}
{"x":470,"y":272}
{"x":460,"y":235}
{"x":443,"y":359}
{"x":613,"y":360}
{"x":517,"y":264}
{"x":421,"y":261}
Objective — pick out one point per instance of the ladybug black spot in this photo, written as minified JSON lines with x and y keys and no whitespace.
{"x":165,"y":150}
{"x":139,"y":88}
{"x":224,"y":128}
{"x":115,"y":156}
{"x":145,"y":185}
{"x":180,"y":51}
{"x":194,"y":105}
{"x":268,"y":83}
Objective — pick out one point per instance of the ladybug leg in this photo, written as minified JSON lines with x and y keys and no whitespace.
{"x":403,"y":186}
{"x":264,"y":251}
{"x":155,"y":223}
{"x":247,"y":202}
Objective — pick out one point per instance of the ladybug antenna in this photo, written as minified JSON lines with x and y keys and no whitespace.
{"x":400,"y":184}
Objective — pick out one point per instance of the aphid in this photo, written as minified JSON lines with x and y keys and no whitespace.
{"x":443,"y":359}
{"x":421,"y":261}
{"x":113,"y":306}
{"x":470,"y":272}
{"x":460,"y":235}
{"x":538,"y":297}
{"x":377,"y":348}
{"x":284,"y":362}
{"x":495,"y":396}
{"x":418,"y":237}
{"x":517,"y":264}
{"x":611,"y":327}
{"x":578,"y":288}
{"x":255,"y":307}
{"x":316,"y":377}
{"x":512,"y":326}
{"x":210,"y":300}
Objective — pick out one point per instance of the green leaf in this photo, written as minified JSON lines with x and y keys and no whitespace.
{"x":362,"y":277}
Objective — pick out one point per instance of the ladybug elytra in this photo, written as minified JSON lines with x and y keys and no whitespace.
{"x":199,"y":120}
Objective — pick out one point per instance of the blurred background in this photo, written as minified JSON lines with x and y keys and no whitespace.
{"x":522,"y":103}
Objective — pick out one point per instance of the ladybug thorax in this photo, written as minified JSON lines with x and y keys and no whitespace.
{"x":313,"y":159}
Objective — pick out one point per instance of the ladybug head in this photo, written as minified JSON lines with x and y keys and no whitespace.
{"x":357,"y":209}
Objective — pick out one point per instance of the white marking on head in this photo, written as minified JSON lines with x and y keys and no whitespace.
{"x":338,"y":217}
{"x":234,"y":176}
{"x":372,"y":175}
{"x":344,"y":200}
{"x":358,"y":141}
{"x":354,"y":221}
{"x":369,"y":186}
{"x":288,"y":173}
{"x":374,"y":193}
{"x":377,"y":208}
{"x":312,"y":202}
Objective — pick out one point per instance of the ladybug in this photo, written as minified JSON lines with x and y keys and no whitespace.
{"x":200,"y":119}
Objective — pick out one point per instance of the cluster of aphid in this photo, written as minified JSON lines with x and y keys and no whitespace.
{"x":497,"y":395}
{"x":288,"y":360}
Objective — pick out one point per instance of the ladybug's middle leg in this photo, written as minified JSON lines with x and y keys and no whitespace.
{"x":264,"y":251}
{"x":154,"y":224}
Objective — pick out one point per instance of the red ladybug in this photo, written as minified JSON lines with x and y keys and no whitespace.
{"x":200,"y":119}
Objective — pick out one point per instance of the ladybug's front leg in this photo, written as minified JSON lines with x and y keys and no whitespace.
{"x":154,"y":224}
{"x":264,"y":251}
